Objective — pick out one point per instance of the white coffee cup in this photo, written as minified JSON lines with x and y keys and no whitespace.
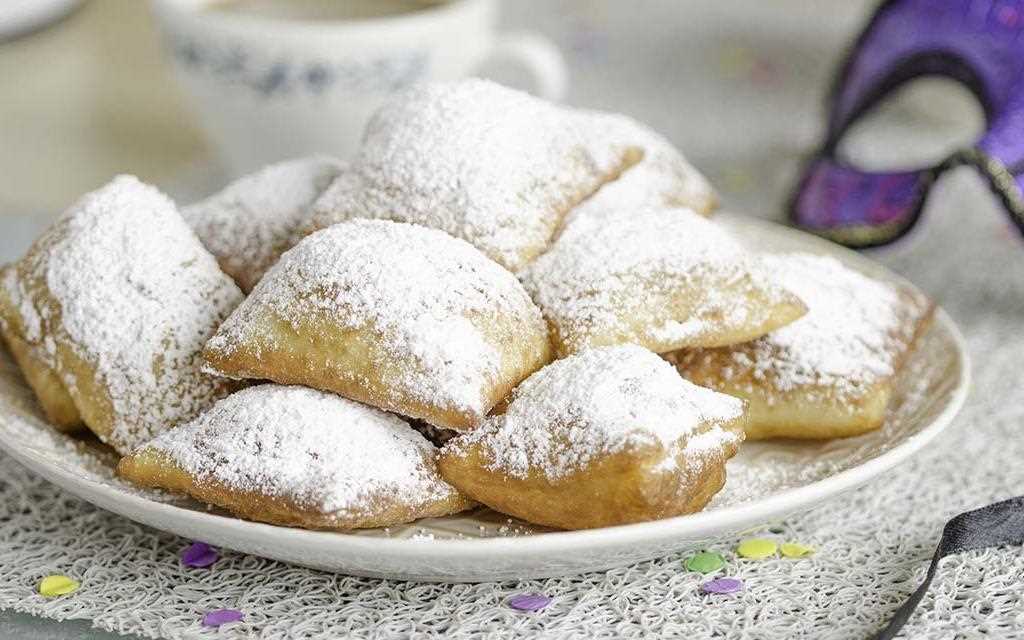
{"x":272,"y":88}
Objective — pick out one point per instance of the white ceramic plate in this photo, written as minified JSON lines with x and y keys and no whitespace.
{"x":766,"y":480}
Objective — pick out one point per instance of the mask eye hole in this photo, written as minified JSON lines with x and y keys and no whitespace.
{"x":917,"y":125}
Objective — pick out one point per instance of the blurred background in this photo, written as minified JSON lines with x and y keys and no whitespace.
{"x":738,"y":86}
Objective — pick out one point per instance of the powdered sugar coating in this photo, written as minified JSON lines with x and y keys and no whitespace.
{"x":852,"y":336}
{"x":613,"y":274}
{"x":249,"y":223}
{"x":657,"y":174}
{"x":430,"y":298}
{"x":316,"y":450}
{"x":123,"y":283}
{"x":31,"y":323}
{"x":493,"y":166}
{"x":598,"y":402}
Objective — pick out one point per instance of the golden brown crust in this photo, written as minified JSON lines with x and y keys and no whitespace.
{"x":249,"y":223}
{"x":659,"y":305}
{"x":808,"y":411}
{"x":57,"y":404}
{"x":116,"y":299}
{"x":326,"y":215}
{"x":531,"y":164}
{"x":89,"y":396}
{"x":53,"y":397}
{"x":398,"y":316}
{"x":631,"y":485}
{"x":323,"y":355}
{"x":662,"y":278}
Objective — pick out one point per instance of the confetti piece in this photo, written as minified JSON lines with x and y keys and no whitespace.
{"x":222,"y":616}
{"x":529,"y":601}
{"x":795,"y":550}
{"x":757,"y":548}
{"x":722,"y":586}
{"x":705,"y":562}
{"x":53,"y":586}
{"x":199,"y":555}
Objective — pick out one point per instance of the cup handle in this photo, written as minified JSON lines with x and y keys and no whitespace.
{"x":539,"y":56}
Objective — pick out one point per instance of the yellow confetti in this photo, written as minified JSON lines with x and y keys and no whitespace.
{"x":53,"y":586}
{"x":795,"y":550}
{"x":757,"y":548}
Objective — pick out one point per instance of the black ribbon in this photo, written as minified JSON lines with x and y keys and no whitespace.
{"x":996,"y":525}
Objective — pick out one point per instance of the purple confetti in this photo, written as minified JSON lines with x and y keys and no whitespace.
{"x":722,"y":585}
{"x":222,"y":616}
{"x":199,"y":555}
{"x":529,"y":601}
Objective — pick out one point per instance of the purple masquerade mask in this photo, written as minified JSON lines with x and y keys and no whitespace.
{"x":979,"y":43}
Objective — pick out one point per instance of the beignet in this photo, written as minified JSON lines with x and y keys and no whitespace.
{"x":249,"y":223}
{"x":656,"y":173}
{"x":829,"y":374}
{"x":395,"y":315}
{"x":606,"y":436}
{"x":117,"y":299}
{"x":299,"y":457}
{"x":496,"y":167}
{"x":56,"y":402}
{"x":662,"y":278}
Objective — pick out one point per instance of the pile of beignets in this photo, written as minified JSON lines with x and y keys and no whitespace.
{"x":498,"y":301}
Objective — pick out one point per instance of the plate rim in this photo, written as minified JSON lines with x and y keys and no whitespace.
{"x":139,"y":508}
{"x":732,"y":517}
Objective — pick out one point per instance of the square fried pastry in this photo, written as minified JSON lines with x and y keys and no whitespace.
{"x":115,"y":302}
{"x":664,"y":278}
{"x":396,"y":315}
{"x":249,"y":223}
{"x":496,"y":167}
{"x":604,"y":437}
{"x":57,"y":404}
{"x":299,"y":457}
{"x":655,"y":174}
{"x":830,"y":373}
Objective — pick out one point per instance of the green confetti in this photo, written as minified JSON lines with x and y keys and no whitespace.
{"x":705,"y":562}
{"x":757,"y":548}
{"x":795,"y":550}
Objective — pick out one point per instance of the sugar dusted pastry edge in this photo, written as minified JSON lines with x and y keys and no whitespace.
{"x":87,"y":284}
{"x":603,"y":159}
{"x":662,"y":277}
{"x":376,"y":354}
{"x":812,"y":411}
{"x":623,"y":488}
{"x":57,"y":404}
{"x":249,"y":223}
{"x":163,"y":473}
{"x":625,"y":475}
{"x":294,"y":456}
{"x":341,"y":362}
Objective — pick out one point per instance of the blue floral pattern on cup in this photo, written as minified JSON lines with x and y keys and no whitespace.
{"x":267,"y":77}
